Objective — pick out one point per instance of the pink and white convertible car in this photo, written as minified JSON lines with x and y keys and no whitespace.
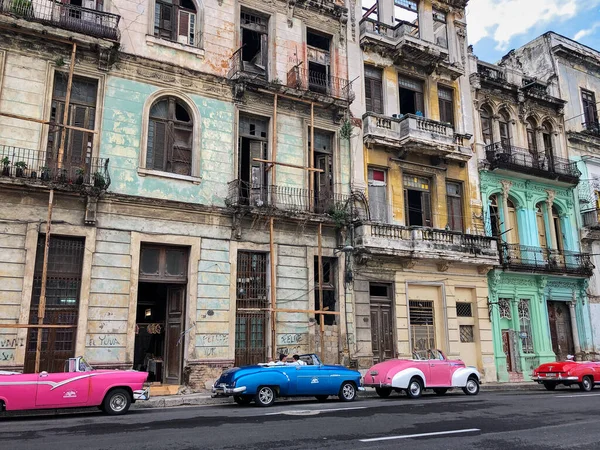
{"x":429,"y":369}
{"x":79,"y":386}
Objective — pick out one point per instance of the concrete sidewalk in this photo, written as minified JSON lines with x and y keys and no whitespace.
{"x":204,"y":398}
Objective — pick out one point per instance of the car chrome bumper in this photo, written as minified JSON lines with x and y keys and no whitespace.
{"x":222,"y":391}
{"x":541,"y":379}
{"x":141,"y":394}
{"x":360,"y":388}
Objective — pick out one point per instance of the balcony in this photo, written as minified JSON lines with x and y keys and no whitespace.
{"x":490,"y":73}
{"x":508,"y":157}
{"x":592,"y":128}
{"x":284,"y":199}
{"x":319,"y":84}
{"x":426,"y":243}
{"x":401,"y":42}
{"x":536,"y":259}
{"x":591,"y":218}
{"x":332,"y":8}
{"x":89,"y":22}
{"x":415,"y":133}
{"x":34,"y":167}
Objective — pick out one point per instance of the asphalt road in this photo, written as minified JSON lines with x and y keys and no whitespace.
{"x":531,"y":420}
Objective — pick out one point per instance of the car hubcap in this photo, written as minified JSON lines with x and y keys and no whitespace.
{"x":586,"y":384}
{"x":348,"y":391}
{"x":415,"y":388}
{"x":266,"y":395}
{"x":471,"y":386}
{"x":118,"y":402}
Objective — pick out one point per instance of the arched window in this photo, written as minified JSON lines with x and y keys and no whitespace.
{"x":559,"y":245}
{"x":170,"y":137}
{"x":511,"y":224}
{"x":531,"y":137}
{"x":505,"y":136}
{"x":486,"y":126}
{"x":541,"y":226}
{"x":547,"y":138}
{"x":494,"y":216}
{"x":178,"y":21}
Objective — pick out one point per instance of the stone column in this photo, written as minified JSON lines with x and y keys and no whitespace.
{"x":574,"y":328}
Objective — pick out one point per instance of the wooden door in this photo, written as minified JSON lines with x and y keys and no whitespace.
{"x":507,"y":348}
{"x":382,"y":340}
{"x":559,"y":318}
{"x":173,"y":341}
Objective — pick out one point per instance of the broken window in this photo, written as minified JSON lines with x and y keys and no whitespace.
{"x":590,"y":111}
{"x":531,"y":137}
{"x":411,"y":96}
{"x":440,"y":28}
{"x":255,"y":43}
{"x":504,"y":123}
{"x":454,"y":202}
{"x":486,"y":126}
{"x":328,"y":286}
{"x":324,"y":181}
{"x":82,"y":113}
{"x":494,"y":216}
{"x":406,"y":12}
{"x":177,"y":21}
{"x":417,"y":201}
{"x":252,"y":146}
{"x":446,"y":103}
{"x":170,"y":137}
{"x":319,"y":61}
{"x":374,"y":89}
{"x":378,"y":194}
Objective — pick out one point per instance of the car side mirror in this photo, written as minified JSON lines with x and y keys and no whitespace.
{"x":43,"y":374}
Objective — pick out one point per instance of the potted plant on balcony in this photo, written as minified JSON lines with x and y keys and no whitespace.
{"x":99,"y":180}
{"x":21,"y":166}
{"x":5,"y":166}
{"x":45,"y":173}
{"x":80,"y":172}
{"x":62,"y":177}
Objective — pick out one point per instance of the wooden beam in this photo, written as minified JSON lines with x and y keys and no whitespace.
{"x":24,"y":325}
{"x":42,"y":304}
{"x":273,"y":291}
{"x":311,"y":163}
{"x":63,"y":135}
{"x":321,"y":316}
{"x":288,"y":97}
{"x":46,"y":122}
{"x":286,"y":165}
{"x":274,"y":146}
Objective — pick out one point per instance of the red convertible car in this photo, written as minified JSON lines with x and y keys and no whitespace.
{"x":78,"y":386}
{"x":585,"y":374}
{"x":429,"y":369}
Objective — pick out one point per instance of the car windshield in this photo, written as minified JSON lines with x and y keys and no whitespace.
{"x":84,"y":366}
{"x":423,"y":355}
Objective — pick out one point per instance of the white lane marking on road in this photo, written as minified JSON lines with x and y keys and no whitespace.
{"x":310,"y":412}
{"x":582,"y":395}
{"x":410,"y":436}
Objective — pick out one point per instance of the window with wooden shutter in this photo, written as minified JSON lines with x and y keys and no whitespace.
{"x":454,"y":202}
{"x":417,"y":201}
{"x":378,"y":195}
{"x":170,"y":137}
{"x":177,"y":20}
{"x":411,"y":96}
{"x":590,"y":111}
{"x":374,"y":90}
{"x":445,"y":98}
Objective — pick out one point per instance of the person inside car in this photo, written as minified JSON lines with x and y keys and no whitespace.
{"x":298,"y":361}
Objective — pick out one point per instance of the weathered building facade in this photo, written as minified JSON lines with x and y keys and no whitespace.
{"x":537,"y":295}
{"x":572,"y":72}
{"x":422,"y":258}
{"x":192,"y":125}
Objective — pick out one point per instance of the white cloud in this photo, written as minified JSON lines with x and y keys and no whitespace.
{"x":503,"y":19}
{"x":586,"y":31}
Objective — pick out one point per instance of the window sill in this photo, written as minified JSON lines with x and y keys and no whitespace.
{"x":153,"y":40}
{"x":157,"y":173}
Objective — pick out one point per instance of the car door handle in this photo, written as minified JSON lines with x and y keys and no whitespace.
{"x":431,"y":365}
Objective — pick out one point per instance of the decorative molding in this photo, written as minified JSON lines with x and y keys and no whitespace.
{"x":506,"y":185}
{"x":550,"y":199}
{"x":443,"y":266}
{"x":409,"y":264}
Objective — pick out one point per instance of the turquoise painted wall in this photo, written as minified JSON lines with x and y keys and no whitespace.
{"x":121,"y":142}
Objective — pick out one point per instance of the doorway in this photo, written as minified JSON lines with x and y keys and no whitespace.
{"x":252,"y":148}
{"x":158,"y":347}
{"x":559,"y":318}
{"x":382,"y":323}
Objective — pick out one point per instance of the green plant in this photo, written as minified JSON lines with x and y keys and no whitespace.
{"x":21,"y":164}
{"x":22,"y":7}
{"x":5,"y":161}
{"x":340,"y":216}
{"x":346,"y":130}
{"x":80,"y":171}
{"x":59,"y":61}
{"x":276,"y":81}
{"x":99,"y":180}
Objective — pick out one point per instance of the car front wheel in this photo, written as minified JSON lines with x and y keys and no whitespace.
{"x":587,"y":384}
{"x":242,"y":399}
{"x":117,"y":402}
{"x":472,"y":386}
{"x":383,"y":392}
{"x":265,"y":396}
{"x":415,"y":389}
{"x":347,"y":391}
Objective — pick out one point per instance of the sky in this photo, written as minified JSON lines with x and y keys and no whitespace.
{"x":494,"y":27}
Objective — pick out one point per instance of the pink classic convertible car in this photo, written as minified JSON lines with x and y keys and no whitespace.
{"x":78,"y":386}
{"x":429,"y":369}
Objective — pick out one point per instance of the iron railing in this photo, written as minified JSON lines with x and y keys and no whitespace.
{"x":86,"y":21}
{"x":592,"y":128}
{"x":309,"y":80}
{"x":502,"y":155}
{"x":284,"y":198}
{"x":393,"y":32}
{"x":41,"y":166}
{"x":591,"y":218}
{"x":238,"y":68}
{"x":490,"y":73}
{"x":539,"y":259}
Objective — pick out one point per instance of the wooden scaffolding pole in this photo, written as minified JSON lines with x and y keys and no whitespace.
{"x":42,"y":304}
{"x":47,"y":122}
{"x":271,"y":237}
{"x":321,"y":316}
{"x":63,"y":135}
{"x":311,"y":163}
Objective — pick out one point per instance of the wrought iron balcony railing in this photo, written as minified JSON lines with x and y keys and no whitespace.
{"x":285,"y":198}
{"x":86,"y":21}
{"x":491,"y":73}
{"x":538,"y":259}
{"x":592,"y":128}
{"x":309,"y":80}
{"x":591,"y":218}
{"x":42,"y":167}
{"x":502,"y":155}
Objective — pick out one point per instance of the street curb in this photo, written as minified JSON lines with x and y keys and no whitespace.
{"x":205,"y":399}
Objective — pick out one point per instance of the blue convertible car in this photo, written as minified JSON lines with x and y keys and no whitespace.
{"x":264,"y":382}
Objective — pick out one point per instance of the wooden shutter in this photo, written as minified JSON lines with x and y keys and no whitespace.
{"x":419,"y":104}
{"x":186,"y":28}
{"x":369,"y":94}
{"x":159,"y":146}
{"x":455,"y":213}
{"x":181,"y":157}
{"x":264,"y":50}
{"x":426,"y":208}
{"x":373,"y":95}
{"x":406,"y":209}
{"x":165,"y":21}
